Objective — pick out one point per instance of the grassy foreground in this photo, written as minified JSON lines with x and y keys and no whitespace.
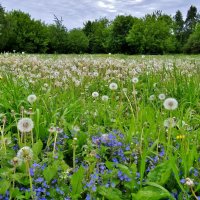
{"x":99,"y":127}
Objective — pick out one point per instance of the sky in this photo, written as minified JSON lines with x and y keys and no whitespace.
{"x":75,"y":12}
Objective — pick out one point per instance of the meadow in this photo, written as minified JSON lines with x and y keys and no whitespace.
{"x":99,"y":127}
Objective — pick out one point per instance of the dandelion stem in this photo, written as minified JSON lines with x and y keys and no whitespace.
{"x":194,"y":193}
{"x":169,"y":137}
{"x":74,"y":152}
{"x":32,"y":140}
{"x":131,"y":107}
{"x":30,"y":178}
{"x":54,"y":145}
{"x":18,"y":132}
{"x":2,"y":137}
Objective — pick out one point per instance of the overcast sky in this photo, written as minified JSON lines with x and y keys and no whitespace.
{"x":75,"y":12}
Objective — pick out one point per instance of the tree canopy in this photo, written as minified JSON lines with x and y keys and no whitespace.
{"x":156,"y":33}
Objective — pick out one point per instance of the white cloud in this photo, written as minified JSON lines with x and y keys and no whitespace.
{"x":105,"y":5}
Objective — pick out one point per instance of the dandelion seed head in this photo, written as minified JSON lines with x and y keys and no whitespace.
{"x":95,"y":94}
{"x":152,"y":97}
{"x":170,"y":122}
{"x":113,"y":86}
{"x":104,"y":98}
{"x":161,"y":96}
{"x":16,"y":161}
{"x":134,"y":92}
{"x":135,"y":80}
{"x":25,"y":154}
{"x":189,"y":182}
{"x":170,"y":104}
{"x":31,"y":98}
{"x":25,"y":125}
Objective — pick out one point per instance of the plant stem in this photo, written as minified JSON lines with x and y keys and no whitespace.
{"x":74,"y":153}
{"x":54,"y":145}
{"x":3,"y":139}
{"x":30,"y":178}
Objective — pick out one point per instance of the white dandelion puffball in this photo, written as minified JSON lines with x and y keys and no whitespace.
{"x":76,"y":128}
{"x":113,"y":86}
{"x":152,"y":97}
{"x":104,"y":98}
{"x":135,"y":80}
{"x":125,"y":90}
{"x":25,"y":154}
{"x":169,"y":123}
{"x":25,"y":125}
{"x":16,"y":161}
{"x":95,"y":94}
{"x":161,"y":96}
{"x":189,"y":182}
{"x":31,"y":98}
{"x":170,"y":104}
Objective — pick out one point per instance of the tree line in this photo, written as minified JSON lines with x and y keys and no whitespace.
{"x":156,"y":33}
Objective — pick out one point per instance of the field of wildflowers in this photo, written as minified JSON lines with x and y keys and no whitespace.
{"x":99,"y":127}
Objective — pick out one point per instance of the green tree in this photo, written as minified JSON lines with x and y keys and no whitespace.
{"x":152,"y":35}
{"x":96,"y":33}
{"x":117,"y":35}
{"x":57,"y":37}
{"x":193,"y":43}
{"x":135,"y":38}
{"x":26,"y":34}
{"x":190,"y":22}
{"x":3,"y":29}
{"x":77,"y":41}
{"x":179,"y":29}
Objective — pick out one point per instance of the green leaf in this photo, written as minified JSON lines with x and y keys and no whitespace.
{"x":150,"y":193}
{"x":160,"y":174}
{"x":160,"y":187}
{"x":110,"y":193}
{"x":19,"y":177}
{"x":15,"y":193}
{"x":37,"y":147}
{"x":76,"y":183}
{"x":109,"y":164}
{"x":4,"y":185}
{"x":50,"y":172}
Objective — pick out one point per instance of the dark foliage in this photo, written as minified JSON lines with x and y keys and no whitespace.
{"x":155,"y":33}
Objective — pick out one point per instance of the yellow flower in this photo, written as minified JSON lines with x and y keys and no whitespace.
{"x":180,"y":137}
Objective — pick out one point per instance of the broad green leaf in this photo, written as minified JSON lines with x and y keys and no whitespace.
{"x":37,"y":147}
{"x":15,"y":193}
{"x":50,"y":172}
{"x":150,"y":193}
{"x":19,"y":177}
{"x":76,"y":183}
{"x":160,"y":174}
{"x":110,"y":193}
{"x":4,"y":186}
{"x":160,"y":187}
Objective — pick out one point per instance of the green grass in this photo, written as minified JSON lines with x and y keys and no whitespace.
{"x":64,"y":86}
